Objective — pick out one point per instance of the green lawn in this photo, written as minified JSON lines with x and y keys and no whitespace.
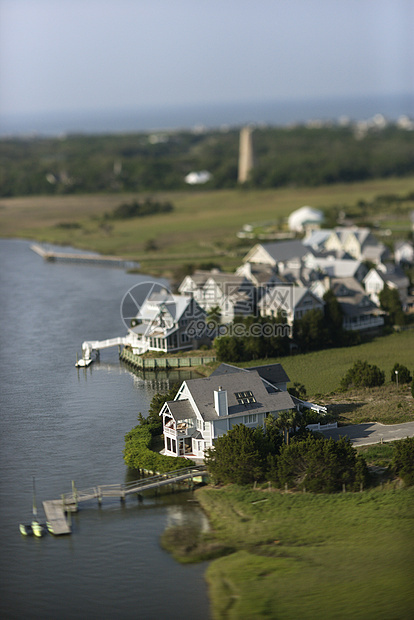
{"x":322,"y":371}
{"x":312,"y":556}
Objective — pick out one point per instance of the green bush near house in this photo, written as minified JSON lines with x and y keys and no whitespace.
{"x":138,"y":453}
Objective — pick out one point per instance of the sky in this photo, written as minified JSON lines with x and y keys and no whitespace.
{"x":59,"y":55}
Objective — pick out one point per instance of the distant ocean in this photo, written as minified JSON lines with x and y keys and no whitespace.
{"x":163,"y":117}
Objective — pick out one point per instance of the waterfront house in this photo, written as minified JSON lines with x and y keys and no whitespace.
{"x":207,"y":408}
{"x":167,"y":323}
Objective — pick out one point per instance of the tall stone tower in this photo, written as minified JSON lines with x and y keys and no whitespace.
{"x":246,"y":157}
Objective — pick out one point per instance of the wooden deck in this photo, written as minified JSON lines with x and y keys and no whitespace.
{"x":55,"y":517}
{"x":55,"y":509}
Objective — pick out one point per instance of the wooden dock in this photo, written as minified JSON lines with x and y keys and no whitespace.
{"x":55,"y":509}
{"x":55,"y":517}
{"x":90,"y":259}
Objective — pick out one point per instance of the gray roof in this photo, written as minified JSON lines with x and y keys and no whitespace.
{"x":273,"y":373}
{"x":202,"y":391}
{"x":181,"y":409}
{"x":285,"y":250}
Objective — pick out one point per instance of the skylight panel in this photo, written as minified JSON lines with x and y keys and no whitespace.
{"x":245,"y":398}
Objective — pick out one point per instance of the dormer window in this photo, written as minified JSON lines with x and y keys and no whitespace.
{"x":245,"y":398}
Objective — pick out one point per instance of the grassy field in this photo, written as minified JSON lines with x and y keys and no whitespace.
{"x":322,"y":371}
{"x":202,"y":227}
{"x":311,"y":556}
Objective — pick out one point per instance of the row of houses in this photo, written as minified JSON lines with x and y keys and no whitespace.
{"x":288,"y":277}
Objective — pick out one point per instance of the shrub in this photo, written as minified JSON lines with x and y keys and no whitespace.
{"x":138,"y":453}
{"x":362,"y":374}
{"x":239,"y":456}
{"x":403,"y":460}
{"x":403,"y":374}
{"x":320,"y":465}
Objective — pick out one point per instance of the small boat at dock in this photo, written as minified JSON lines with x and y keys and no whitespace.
{"x":35,"y":528}
{"x":83,"y":363}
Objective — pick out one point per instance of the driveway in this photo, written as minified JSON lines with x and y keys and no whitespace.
{"x":372,"y":432}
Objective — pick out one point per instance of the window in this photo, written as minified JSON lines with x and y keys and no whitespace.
{"x":245,"y":398}
{"x":250,"y":419}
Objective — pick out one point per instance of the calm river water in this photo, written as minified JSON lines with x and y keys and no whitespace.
{"x":61,"y":424}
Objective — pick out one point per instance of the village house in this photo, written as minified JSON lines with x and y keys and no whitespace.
{"x":359,"y":312}
{"x":207,"y":408}
{"x":280,"y":255}
{"x":389,"y":275}
{"x":167,"y":323}
{"x":337,"y":267}
{"x":292,"y":302}
{"x":234,"y":294}
{"x":404,"y":253}
{"x":359,"y":243}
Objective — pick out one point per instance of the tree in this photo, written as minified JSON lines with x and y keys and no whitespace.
{"x":310,"y":331}
{"x":403,"y":460}
{"x":238,"y":457}
{"x":362,"y":374}
{"x":153,"y":419}
{"x":390,"y":302}
{"x":334,"y":332}
{"x":320,"y":465}
{"x":298,"y":390}
{"x":403,"y":374}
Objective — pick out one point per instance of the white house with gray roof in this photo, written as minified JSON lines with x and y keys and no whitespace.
{"x":207,"y":408}
{"x":234,"y":294}
{"x":389,"y":275}
{"x":279,"y":255}
{"x":164,"y":322}
{"x":292,"y":302}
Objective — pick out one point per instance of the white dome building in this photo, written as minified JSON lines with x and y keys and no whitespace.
{"x":303,"y":217}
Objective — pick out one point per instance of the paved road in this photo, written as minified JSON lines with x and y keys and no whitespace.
{"x":372,"y":432}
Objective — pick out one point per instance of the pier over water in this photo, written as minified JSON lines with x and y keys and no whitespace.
{"x":55,"y":509}
{"x":89,"y":259}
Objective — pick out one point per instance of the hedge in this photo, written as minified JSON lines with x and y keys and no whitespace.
{"x":138,"y":453}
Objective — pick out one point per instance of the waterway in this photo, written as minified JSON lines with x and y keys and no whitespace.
{"x":61,"y":424}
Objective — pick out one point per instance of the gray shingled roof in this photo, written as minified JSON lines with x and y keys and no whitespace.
{"x":202,"y":391}
{"x":285,"y":250}
{"x":181,"y":409}
{"x":274,"y":373}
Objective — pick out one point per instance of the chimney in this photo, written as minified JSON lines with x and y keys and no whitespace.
{"x":220,"y":401}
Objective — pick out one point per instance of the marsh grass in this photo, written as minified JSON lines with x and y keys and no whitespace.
{"x":203,"y":224}
{"x":306,"y":556}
